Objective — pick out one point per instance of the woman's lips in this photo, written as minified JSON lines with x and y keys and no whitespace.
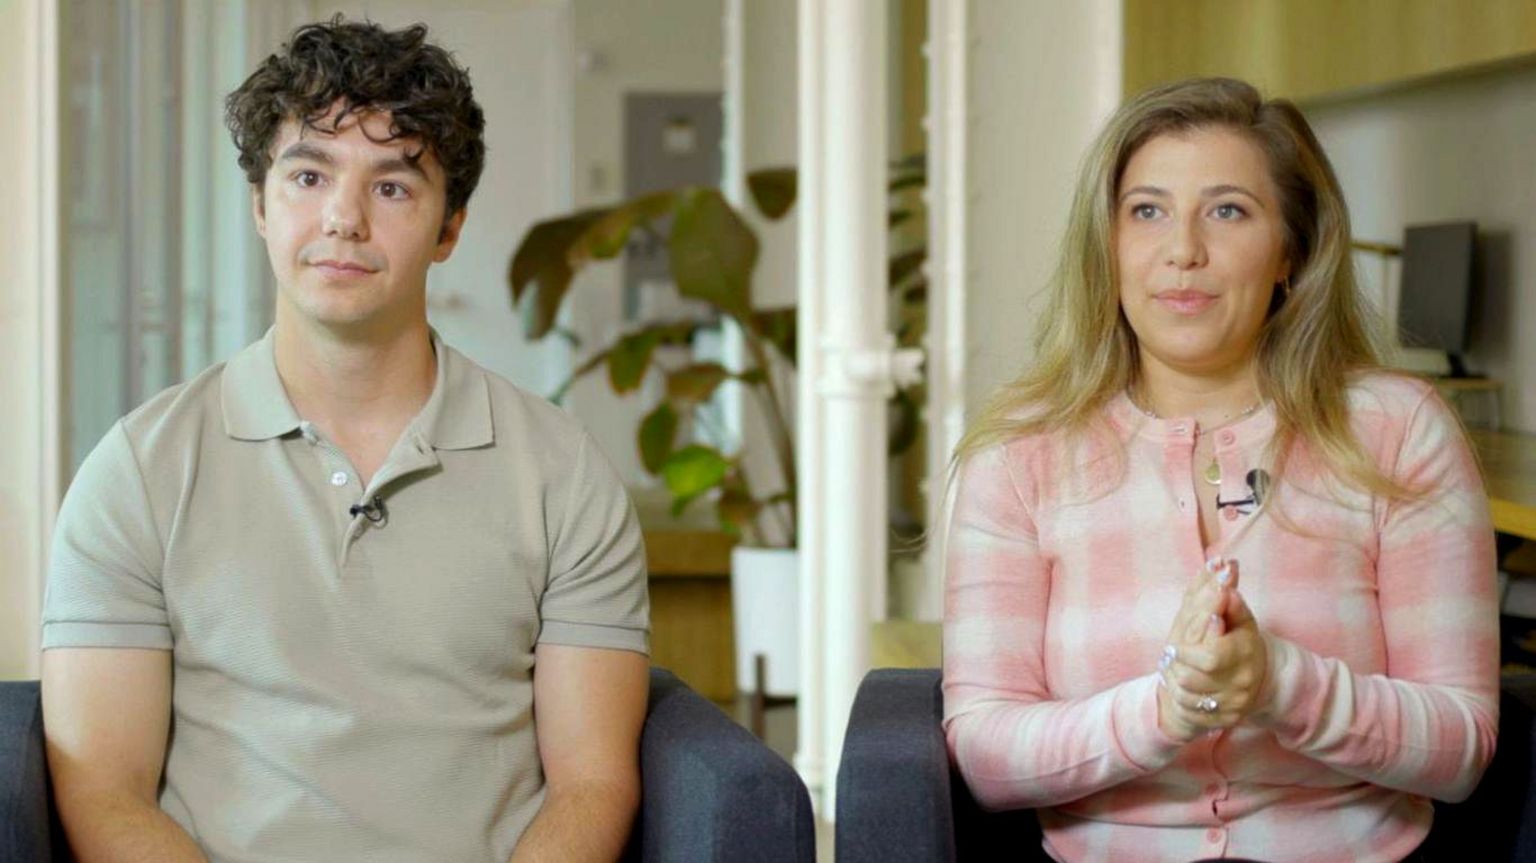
{"x":1185,"y":302}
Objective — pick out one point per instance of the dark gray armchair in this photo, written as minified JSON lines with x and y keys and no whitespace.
{"x":711,"y":791}
{"x":898,"y":799}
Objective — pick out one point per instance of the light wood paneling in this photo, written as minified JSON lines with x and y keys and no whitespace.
{"x":1312,"y":49}
{"x":691,"y":634}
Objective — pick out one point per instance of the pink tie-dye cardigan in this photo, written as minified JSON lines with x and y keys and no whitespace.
{"x":1067,"y":560}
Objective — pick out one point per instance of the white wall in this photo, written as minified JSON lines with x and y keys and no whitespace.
{"x":621,"y":47}
{"x":22,"y":518}
{"x":1044,"y":76}
{"x":1459,"y":149}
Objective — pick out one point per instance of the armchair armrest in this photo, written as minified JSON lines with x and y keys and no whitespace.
{"x":893,"y":784}
{"x":712,"y":791}
{"x":25,"y":813}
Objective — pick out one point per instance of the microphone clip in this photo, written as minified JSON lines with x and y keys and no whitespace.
{"x":372,"y":510}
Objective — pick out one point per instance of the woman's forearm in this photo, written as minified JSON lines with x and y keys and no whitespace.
{"x":1016,"y":754}
{"x":1433,"y":739}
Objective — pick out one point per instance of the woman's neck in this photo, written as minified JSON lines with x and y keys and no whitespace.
{"x":1209,"y":398}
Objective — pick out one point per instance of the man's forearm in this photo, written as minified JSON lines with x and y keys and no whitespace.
{"x":122,"y":828}
{"x":589,"y":824}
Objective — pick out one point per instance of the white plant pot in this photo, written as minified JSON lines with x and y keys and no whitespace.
{"x":765,"y":607}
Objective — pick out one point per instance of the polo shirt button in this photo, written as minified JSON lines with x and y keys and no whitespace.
{"x":1228,"y":437}
{"x":339,"y":478}
{"x":1213,"y":835}
{"x":1229,"y":514}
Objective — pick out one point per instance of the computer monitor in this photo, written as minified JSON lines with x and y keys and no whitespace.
{"x":1437,"y":288}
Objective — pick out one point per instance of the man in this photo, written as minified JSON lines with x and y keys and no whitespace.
{"x":348,"y":596}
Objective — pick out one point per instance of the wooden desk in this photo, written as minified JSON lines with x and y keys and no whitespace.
{"x":1509,"y":472}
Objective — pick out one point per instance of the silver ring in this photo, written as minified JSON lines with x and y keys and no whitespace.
{"x":1207,"y":705}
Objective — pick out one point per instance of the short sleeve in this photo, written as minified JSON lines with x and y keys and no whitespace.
{"x":104,"y":586}
{"x":596,"y":595}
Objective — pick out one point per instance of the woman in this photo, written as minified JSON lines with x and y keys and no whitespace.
{"x":1218,"y":585}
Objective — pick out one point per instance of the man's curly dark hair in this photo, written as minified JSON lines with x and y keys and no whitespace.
{"x":366,"y":68}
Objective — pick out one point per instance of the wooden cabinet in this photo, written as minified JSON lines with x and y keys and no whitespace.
{"x":1308,"y":50}
{"x":691,"y":635}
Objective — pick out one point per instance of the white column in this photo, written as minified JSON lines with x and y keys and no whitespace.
{"x":810,"y":752}
{"x":843,"y":309}
{"x":948,"y":116}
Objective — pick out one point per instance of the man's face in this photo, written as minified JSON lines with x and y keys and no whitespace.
{"x":352,"y":225}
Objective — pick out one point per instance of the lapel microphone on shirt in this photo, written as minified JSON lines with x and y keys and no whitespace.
{"x":373,"y":510}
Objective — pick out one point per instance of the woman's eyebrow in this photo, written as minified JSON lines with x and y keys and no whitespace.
{"x":1229,"y":189}
{"x":1154,"y":191}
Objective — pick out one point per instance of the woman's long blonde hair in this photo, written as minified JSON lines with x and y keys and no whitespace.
{"x":1314,"y":341}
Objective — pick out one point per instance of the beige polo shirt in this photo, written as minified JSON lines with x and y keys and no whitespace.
{"x":344,"y":689}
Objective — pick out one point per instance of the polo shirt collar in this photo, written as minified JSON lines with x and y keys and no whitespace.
{"x":458,"y":413}
{"x":256,"y":406}
{"x":456,"y":416}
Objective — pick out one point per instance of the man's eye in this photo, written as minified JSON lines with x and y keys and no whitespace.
{"x":306,"y":179}
{"x":393,"y":190}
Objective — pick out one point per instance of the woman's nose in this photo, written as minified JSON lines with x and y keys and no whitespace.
{"x":1186,"y":248}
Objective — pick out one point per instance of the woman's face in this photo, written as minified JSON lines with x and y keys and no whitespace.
{"x":1199,"y":247}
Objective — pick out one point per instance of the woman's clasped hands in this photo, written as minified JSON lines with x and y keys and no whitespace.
{"x":1214,"y":663}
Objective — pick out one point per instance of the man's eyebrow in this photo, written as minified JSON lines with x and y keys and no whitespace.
{"x":303,"y":150}
{"x":399,"y":164}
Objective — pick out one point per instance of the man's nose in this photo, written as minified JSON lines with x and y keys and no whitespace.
{"x":343,"y":217}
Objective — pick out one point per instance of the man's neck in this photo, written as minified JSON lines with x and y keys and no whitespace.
{"x":1210,"y":397}
{"x":355,"y":387}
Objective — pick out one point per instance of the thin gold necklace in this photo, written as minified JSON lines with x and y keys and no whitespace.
{"x":1212,"y":472}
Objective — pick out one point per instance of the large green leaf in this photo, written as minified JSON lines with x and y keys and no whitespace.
{"x":695,"y":383}
{"x":657,"y":432}
{"x":542,"y":263}
{"x":606,"y":237}
{"x":692,"y":471}
{"x":629,"y":357}
{"x":773,"y":190}
{"x":910,"y":181}
{"x":712,"y":252}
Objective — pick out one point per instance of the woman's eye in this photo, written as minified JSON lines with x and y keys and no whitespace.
{"x":1144,"y":211}
{"x":1229,"y":211}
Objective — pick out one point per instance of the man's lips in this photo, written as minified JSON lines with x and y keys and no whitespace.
{"x":1185,"y":302}
{"x":348,"y":268}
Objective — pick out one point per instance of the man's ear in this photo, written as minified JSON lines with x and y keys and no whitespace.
{"x":449,"y":236}
{"x":259,"y":210}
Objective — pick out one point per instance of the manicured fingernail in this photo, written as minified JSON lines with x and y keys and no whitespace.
{"x":1216,"y":622}
{"x":1224,"y":575}
{"x":1213,"y":564}
{"x":1170,"y":653}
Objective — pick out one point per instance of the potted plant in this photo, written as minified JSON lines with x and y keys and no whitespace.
{"x":712,"y":253}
